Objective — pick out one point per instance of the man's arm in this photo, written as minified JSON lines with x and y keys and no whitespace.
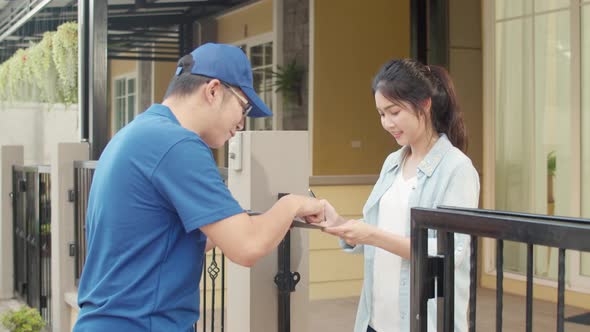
{"x":210,"y":245}
{"x":244,"y":239}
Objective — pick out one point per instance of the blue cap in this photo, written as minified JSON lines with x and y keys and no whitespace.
{"x":229,"y":64}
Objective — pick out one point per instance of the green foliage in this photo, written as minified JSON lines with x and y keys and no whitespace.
{"x":44,"y":72}
{"x":16,"y":78}
{"x":24,"y":320}
{"x":45,"y":229}
{"x":65,"y":56}
{"x":551,"y":163}
{"x":289,"y":82}
{"x":4,"y":74}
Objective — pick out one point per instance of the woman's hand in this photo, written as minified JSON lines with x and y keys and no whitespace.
{"x":353,"y":232}
{"x":333,"y":219}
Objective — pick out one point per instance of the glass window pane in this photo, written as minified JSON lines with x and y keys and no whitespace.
{"x":256,"y":56}
{"x":119,"y":88}
{"x":585,"y":56}
{"x":514,"y":129}
{"x":268,"y":53}
{"x":131,"y":86}
{"x":258,"y":80}
{"x":267,"y":81}
{"x":514,"y":115}
{"x":538,"y":179}
{"x":130,"y":108}
{"x":553,"y":114}
{"x":119,"y":113}
{"x":544,"y":5}
{"x":122,"y":88}
{"x":513,"y":8}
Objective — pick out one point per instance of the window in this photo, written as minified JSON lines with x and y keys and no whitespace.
{"x":260,"y":53}
{"x":124,"y":101}
{"x":541,"y":146}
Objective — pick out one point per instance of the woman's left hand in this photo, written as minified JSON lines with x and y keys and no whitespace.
{"x":353,"y":232}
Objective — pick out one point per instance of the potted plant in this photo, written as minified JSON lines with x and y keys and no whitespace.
{"x":289,"y":82}
{"x":23,"y":320}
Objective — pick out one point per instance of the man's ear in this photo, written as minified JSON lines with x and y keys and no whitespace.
{"x":212,"y":89}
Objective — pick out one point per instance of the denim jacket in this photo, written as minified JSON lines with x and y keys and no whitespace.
{"x":446,"y":176}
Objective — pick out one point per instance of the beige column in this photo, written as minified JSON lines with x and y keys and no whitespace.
{"x":263,"y":164}
{"x":9,"y":156}
{"x":62,"y":229}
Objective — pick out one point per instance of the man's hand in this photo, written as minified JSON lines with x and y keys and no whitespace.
{"x":311,"y":209}
{"x":331,"y":217}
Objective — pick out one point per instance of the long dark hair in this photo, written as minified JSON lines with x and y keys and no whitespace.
{"x":407,"y":80}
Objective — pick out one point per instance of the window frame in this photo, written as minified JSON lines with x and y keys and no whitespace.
{"x":114,"y":98}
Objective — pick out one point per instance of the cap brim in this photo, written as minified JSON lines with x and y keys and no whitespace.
{"x":259,"y":108}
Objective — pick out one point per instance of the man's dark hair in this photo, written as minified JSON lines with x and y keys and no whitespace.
{"x":185,"y":83}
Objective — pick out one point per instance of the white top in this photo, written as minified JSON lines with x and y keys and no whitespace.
{"x":393,"y":216}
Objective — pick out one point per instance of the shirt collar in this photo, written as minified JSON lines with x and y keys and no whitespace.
{"x":162,"y":110}
{"x":432,"y":159}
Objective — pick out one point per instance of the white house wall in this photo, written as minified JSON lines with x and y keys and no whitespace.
{"x":38,"y":127}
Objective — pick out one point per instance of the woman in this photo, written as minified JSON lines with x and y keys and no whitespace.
{"x":417,"y":106}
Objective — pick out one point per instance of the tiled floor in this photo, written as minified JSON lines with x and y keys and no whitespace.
{"x":338,"y":315}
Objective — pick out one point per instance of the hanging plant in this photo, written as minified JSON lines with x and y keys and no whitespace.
{"x":16,"y":77}
{"x":43,"y":70}
{"x":4,"y":81}
{"x":65,"y":56}
{"x":30,"y":90}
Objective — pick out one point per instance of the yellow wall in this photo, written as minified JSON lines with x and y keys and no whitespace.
{"x":334,"y":273}
{"x":163,"y":72}
{"x":466,"y":69}
{"x":246,"y":22}
{"x":352,"y":39}
{"x":122,"y":67}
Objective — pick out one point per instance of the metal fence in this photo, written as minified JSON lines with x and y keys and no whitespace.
{"x":31,"y":198}
{"x":213,"y":320}
{"x":559,"y":232}
{"x":83,"y":173}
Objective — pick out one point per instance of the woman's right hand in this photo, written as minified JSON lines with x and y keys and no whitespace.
{"x":333,"y":219}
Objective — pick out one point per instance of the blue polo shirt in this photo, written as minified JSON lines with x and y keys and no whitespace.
{"x":155,"y":185}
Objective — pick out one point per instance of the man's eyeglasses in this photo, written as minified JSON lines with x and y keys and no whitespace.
{"x":247,"y":107}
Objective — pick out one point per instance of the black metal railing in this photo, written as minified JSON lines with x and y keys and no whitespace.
{"x":213,"y":318}
{"x":31,"y":196}
{"x":560,"y":232}
{"x":83,"y":173}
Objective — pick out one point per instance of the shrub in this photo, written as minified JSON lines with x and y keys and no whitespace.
{"x":24,"y":320}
